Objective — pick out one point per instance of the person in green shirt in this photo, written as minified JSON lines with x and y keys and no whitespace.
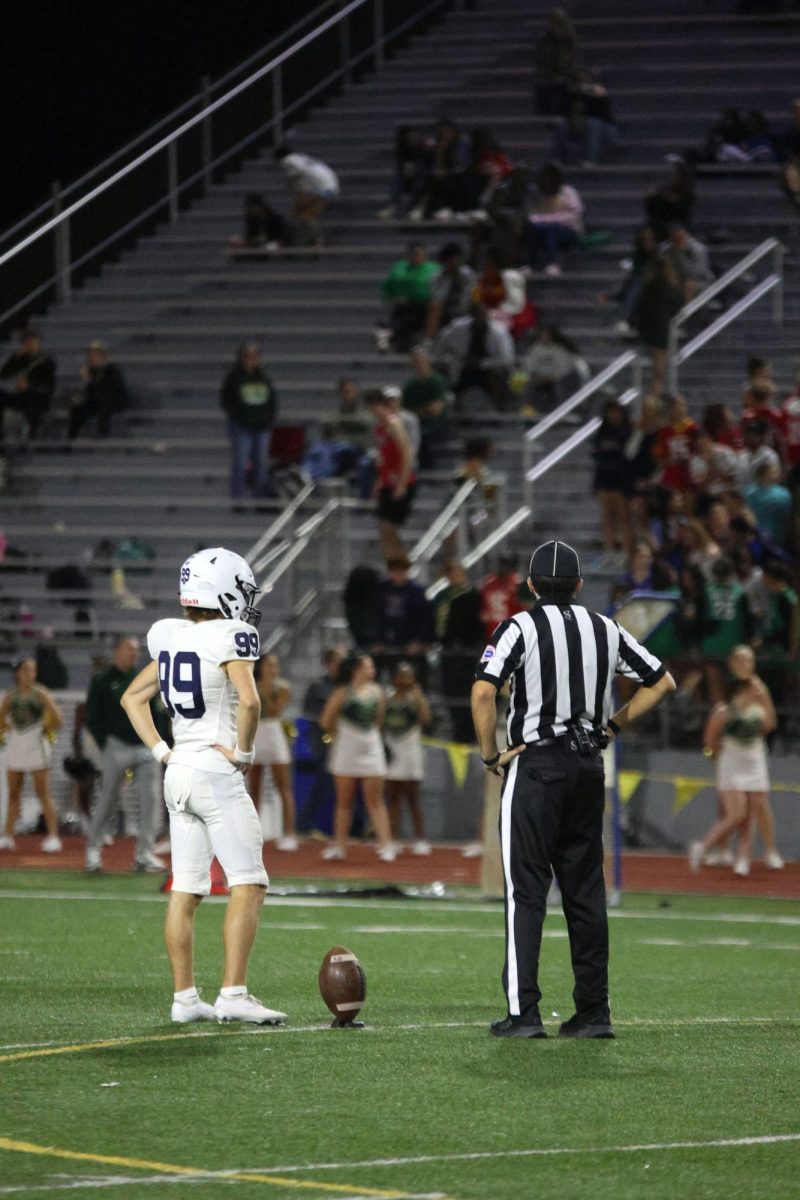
{"x":425,"y":395}
{"x":731,"y":622}
{"x":407,"y":291}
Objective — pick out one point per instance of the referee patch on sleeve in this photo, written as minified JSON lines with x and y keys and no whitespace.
{"x":487,"y":654}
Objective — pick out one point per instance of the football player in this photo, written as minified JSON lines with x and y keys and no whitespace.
{"x":203,"y":667}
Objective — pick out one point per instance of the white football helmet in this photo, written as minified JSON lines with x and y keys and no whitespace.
{"x":218,"y":578}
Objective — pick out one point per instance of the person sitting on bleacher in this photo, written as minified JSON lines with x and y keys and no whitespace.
{"x":591,"y":126}
{"x":414,"y":162}
{"x":672,"y":201}
{"x":407,"y":291}
{"x":30,"y":376}
{"x":556,"y":222}
{"x":477,"y":353}
{"x":264,"y":228}
{"x":450,"y":159}
{"x":313,"y":185}
{"x":103,"y":395}
{"x":450,"y":290}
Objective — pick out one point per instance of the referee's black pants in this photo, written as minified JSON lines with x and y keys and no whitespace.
{"x":551,"y":819}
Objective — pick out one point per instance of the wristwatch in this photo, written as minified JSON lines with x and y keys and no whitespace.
{"x":613,"y":726}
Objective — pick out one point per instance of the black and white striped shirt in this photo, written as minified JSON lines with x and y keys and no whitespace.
{"x":561,"y":660}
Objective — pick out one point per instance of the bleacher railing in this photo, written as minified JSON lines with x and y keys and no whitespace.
{"x":771,"y":248}
{"x":89,"y":219}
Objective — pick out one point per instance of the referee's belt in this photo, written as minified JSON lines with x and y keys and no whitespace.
{"x":584,"y":741}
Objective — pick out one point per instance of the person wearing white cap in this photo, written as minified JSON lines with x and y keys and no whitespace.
{"x":560,"y":660}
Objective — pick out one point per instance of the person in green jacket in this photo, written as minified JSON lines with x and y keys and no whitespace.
{"x":250,"y":400}
{"x":407,"y":291}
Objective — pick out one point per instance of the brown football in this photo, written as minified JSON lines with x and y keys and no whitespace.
{"x":342,"y":983}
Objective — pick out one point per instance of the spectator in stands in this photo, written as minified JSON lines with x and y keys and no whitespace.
{"x":450,"y":160}
{"x":487,"y":168}
{"x":713,"y":469}
{"x":450,"y":290}
{"x":777,"y":638}
{"x":500,"y":594}
{"x":313,"y":185}
{"x":477,"y":354}
{"x":406,"y":628}
{"x":362,"y":606}
{"x":718,"y":522}
{"x":396,"y":483}
{"x":346,"y":440}
{"x":672,"y":201}
{"x":660,"y":298}
{"x":719,"y":424}
{"x":771,"y":504}
{"x":591,"y":126}
{"x":556,"y":221}
{"x":30,"y":377}
{"x":264,"y":228}
{"x":459,"y":632}
{"x":407,"y":291}
{"x":425,"y":395}
{"x":250,"y":401}
{"x":407,"y":715}
{"x":756,"y":453}
{"x":690,"y":545}
{"x":554,"y":369}
{"x":758,"y":144}
{"x":790,"y":439}
{"x":410,"y":420}
{"x":645,"y":249}
{"x":640,"y":463}
{"x":103,"y":395}
{"x":731,"y":623}
{"x":314,"y":702}
{"x":759,"y":399}
{"x":610,"y":479}
{"x":474,"y":465}
{"x":790,"y":156}
{"x":688,"y":258}
{"x":502,"y":291}
{"x":557,"y":64}
{"x":413,"y":163}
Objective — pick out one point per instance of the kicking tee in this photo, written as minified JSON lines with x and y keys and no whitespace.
{"x":197,"y":693}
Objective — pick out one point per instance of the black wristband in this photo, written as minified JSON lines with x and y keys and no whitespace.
{"x":491,"y":762}
{"x":613,"y":726}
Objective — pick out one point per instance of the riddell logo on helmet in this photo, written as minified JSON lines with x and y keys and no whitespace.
{"x":185,"y":601}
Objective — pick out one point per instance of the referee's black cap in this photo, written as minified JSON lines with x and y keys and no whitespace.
{"x":555,"y":560}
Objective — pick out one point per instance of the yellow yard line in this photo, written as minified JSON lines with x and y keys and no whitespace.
{"x":145,"y":1164}
{"x":108,"y":1043}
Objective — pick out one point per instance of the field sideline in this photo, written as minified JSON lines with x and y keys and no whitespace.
{"x":100,"y":1093}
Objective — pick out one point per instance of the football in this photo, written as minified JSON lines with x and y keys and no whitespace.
{"x":342,"y":984}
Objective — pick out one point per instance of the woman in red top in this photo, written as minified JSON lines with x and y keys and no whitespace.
{"x":396,"y":484}
{"x":674,"y":446}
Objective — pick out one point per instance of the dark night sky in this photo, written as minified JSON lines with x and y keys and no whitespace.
{"x":81,"y":77}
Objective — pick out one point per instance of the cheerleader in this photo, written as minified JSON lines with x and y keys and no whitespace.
{"x":271,"y":746}
{"x":407,"y":714}
{"x":353,"y":716}
{"x":27,"y":716}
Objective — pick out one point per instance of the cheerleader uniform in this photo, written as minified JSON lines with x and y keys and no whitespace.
{"x":742,"y":759}
{"x":403,"y":735}
{"x":357,"y":749}
{"x":27,"y":748}
{"x":270,"y":742}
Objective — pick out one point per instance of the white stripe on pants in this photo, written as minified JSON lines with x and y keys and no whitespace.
{"x":505,"y":850}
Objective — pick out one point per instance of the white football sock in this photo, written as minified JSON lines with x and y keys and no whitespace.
{"x":186,"y":996}
{"x":231,"y":992}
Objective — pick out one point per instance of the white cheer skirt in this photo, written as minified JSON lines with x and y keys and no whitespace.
{"x":742,"y":768}
{"x":270,"y":743}
{"x":356,"y":752}
{"x":27,"y":750}
{"x":407,"y":757}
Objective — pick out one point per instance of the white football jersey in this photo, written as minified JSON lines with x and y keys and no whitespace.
{"x":200,"y":698}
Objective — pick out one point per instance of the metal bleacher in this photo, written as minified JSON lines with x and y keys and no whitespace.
{"x":174,"y":307}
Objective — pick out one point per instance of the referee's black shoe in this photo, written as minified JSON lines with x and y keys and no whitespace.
{"x":529,"y":1025}
{"x":597,"y":1026}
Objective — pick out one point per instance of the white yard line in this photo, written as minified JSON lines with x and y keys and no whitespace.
{"x":488,"y":908}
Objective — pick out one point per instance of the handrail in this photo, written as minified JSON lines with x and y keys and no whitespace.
{"x":630,"y":359}
{"x":770,"y":246}
{"x":285,"y":518}
{"x":525,"y":511}
{"x":430,"y":541}
{"x":772,"y":282}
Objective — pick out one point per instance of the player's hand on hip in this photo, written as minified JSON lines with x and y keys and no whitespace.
{"x":226,"y":752}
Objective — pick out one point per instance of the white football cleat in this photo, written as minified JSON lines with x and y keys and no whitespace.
{"x":185,"y":1011}
{"x":7,"y":843}
{"x":741,"y":867}
{"x":289,"y":843}
{"x":94,"y":861}
{"x":695,"y":856}
{"x":246,"y":1008}
{"x":774,"y":861}
{"x":389,"y":852}
{"x":333,"y":853}
{"x":421,"y":848}
{"x":52,"y":844}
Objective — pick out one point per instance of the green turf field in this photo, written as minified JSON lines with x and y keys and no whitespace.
{"x":698,"y":1096}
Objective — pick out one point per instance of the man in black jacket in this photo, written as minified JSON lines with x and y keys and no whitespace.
{"x":30,"y":375}
{"x":103,"y":393}
{"x":250,"y":400}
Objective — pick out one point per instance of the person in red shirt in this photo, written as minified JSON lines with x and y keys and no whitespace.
{"x":674,"y":445}
{"x":758,"y":399}
{"x":720,"y":425}
{"x":396,"y":483}
{"x":500,"y":595}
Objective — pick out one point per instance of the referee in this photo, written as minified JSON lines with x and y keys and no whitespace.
{"x":561,"y":660}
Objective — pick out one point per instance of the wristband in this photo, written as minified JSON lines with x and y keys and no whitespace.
{"x":244,"y":756}
{"x":491,"y":762}
{"x":613,"y":726}
{"x":159,"y":751}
